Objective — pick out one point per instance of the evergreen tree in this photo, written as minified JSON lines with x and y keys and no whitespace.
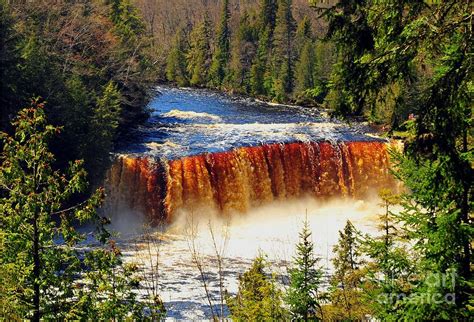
{"x":9,"y":59}
{"x":126,"y":18}
{"x":436,"y":166}
{"x":44,"y":273}
{"x":105,"y":121}
{"x":258,"y":297}
{"x":39,"y":271}
{"x":305,"y":68}
{"x":304,"y":293}
{"x":389,"y":270}
{"x":221,"y":56}
{"x":243,"y":54}
{"x":176,"y":70}
{"x":303,"y":34}
{"x":199,"y":55}
{"x":345,"y":292}
{"x":259,"y":67}
{"x":268,"y":11}
{"x":284,"y":50}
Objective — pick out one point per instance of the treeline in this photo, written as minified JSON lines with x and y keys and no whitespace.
{"x":88,"y":60}
{"x":267,"y":55}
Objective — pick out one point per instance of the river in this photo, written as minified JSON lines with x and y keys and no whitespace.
{"x":246,"y":171}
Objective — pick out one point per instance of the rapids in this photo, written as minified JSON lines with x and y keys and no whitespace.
{"x":251,"y":169}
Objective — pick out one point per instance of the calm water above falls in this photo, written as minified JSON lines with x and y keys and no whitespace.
{"x":188,"y":122}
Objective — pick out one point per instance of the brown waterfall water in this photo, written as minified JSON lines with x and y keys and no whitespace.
{"x":248,"y":177}
{"x":250,"y":171}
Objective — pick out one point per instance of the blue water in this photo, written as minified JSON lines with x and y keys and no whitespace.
{"x":189,"y":121}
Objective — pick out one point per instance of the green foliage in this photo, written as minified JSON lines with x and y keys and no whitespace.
{"x":243,"y":53}
{"x":268,"y":12}
{"x":390,"y":268}
{"x":221,"y":56}
{"x":106,"y":292}
{"x":428,"y":46}
{"x":9,"y":58}
{"x":284,"y":50}
{"x":305,"y":68}
{"x":44,"y":273}
{"x":258,"y":70}
{"x":176,"y":70}
{"x":258,"y":297}
{"x":33,"y":198}
{"x":345,"y":292}
{"x":53,"y":53}
{"x":105,"y":122}
{"x":127,"y":21}
{"x":263,"y":56}
{"x":199,"y":55}
{"x":304,"y":295}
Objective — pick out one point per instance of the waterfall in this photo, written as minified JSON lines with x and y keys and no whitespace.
{"x":245,"y":177}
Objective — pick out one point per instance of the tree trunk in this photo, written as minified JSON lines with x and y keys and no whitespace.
{"x":36,"y":270}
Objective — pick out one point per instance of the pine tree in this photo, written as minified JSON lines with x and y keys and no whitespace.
{"x":199,"y":55}
{"x":284,"y":50}
{"x":304,"y":294}
{"x":176,"y":70}
{"x":345,"y":292}
{"x":258,"y":297}
{"x":221,"y":56}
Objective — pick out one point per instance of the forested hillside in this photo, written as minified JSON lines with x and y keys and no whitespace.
{"x":89,"y":61}
{"x":268,"y":49}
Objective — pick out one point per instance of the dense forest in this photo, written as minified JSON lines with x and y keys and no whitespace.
{"x":267,"y":54}
{"x":88,"y":60}
{"x":76,"y":76}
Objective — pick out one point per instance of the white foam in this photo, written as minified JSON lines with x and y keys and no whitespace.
{"x":191,"y":115}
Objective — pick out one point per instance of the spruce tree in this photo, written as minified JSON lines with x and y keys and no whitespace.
{"x":284,"y":50}
{"x":259,"y":67}
{"x":305,"y":68}
{"x":243,"y":54}
{"x":221,"y":55}
{"x":304,"y":296}
{"x":268,"y":11}
{"x":176,"y":70}
{"x":390,"y":267}
{"x":199,"y":55}
{"x":345,"y":291}
{"x":104,"y":124}
{"x":303,"y":34}
{"x":258,"y":298}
